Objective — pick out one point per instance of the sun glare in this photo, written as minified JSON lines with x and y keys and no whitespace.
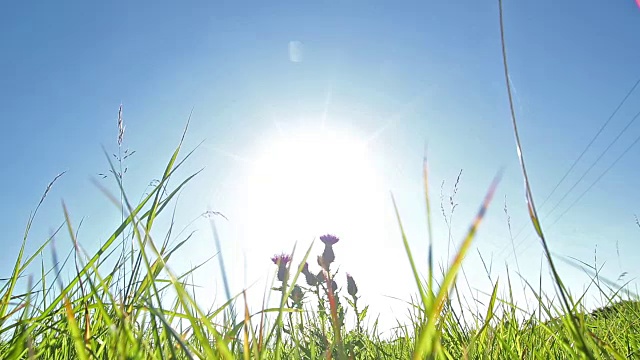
{"x":312,"y":183}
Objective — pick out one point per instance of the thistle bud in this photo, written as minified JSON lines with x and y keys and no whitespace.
{"x":312,"y":280}
{"x":297,"y":295}
{"x":352,"y":288}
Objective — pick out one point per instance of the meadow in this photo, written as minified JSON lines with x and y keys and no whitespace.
{"x":103,"y":312}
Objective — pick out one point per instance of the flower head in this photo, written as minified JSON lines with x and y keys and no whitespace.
{"x":281,"y":260}
{"x":352,"y":288}
{"x":329,"y":239}
{"x":328,"y":256}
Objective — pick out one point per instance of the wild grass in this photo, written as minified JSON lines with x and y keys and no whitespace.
{"x":105,"y":312}
{"x":125,"y":302}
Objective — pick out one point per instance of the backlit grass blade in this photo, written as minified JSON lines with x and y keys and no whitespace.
{"x":490,"y":310}
{"x":247,"y":325}
{"x":425,"y":180}
{"x":407,"y":248}
{"x":428,"y":337}
{"x":165,"y":176}
{"x":76,"y":334}
{"x":574,"y":326}
{"x":223,"y":269}
{"x":87,"y":330}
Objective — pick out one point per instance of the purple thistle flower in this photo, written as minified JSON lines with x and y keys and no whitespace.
{"x":329,"y":239}
{"x":281,"y":260}
{"x":328,"y":255}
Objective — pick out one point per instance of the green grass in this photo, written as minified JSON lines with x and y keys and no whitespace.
{"x":147,"y":311}
{"x":94,"y":315}
{"x":124,"y":302}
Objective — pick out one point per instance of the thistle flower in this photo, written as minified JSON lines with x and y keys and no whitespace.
{"x":352,"y":288}
{"x":281,"y":260}
{"x":327,"y":255}
{"x":312,"y":280}
{"x":329,"y":239}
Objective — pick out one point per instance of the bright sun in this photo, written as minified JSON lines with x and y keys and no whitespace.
{"x":309,"y":183}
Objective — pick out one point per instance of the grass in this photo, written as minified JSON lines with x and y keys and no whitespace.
{"x":96,"y":315}
{"x":124,"y":301}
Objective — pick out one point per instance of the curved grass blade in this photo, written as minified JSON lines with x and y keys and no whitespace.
{"x":407,"y":248}
{"x":428,"y":339}
{"x":425,"y":176}
{"x":564,"y":295}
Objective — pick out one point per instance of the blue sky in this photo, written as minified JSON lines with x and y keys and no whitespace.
{"x":409,"y":73}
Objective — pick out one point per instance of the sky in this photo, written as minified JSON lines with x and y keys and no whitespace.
{"x":311,"y":115}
